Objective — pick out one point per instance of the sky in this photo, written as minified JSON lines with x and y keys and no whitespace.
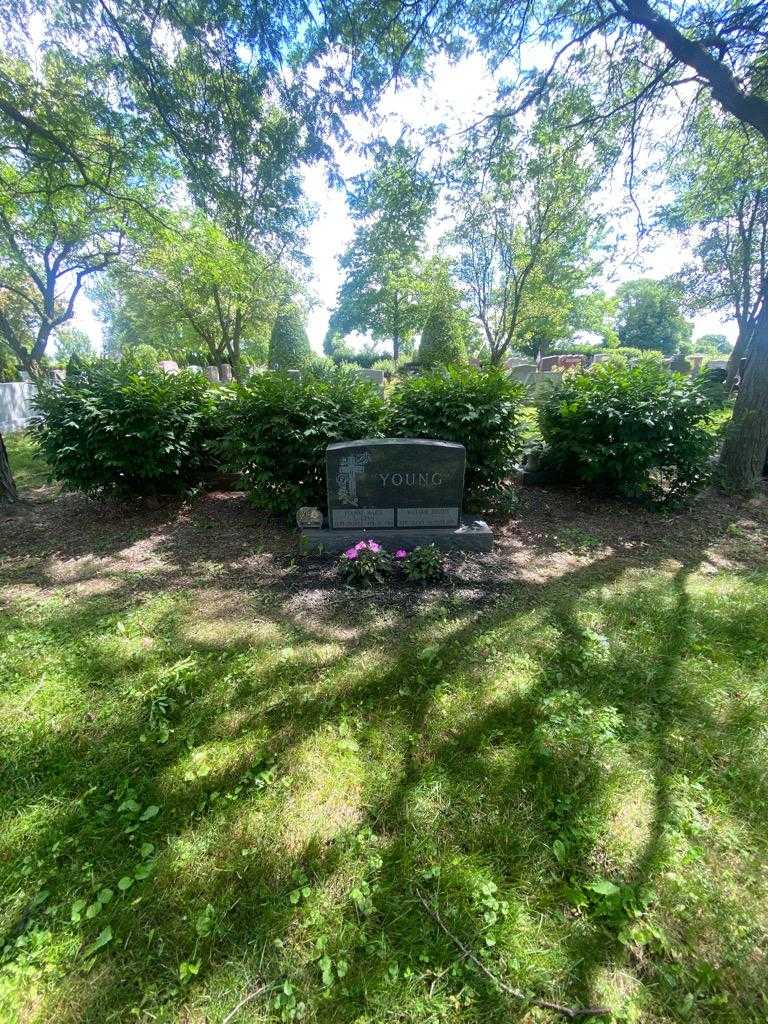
{"x":456,"y":95}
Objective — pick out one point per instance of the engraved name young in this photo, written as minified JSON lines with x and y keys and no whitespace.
{"x":394,"y":483}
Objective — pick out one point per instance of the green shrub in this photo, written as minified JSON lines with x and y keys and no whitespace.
{"x":277,"y":430}
{"x":442,"y":339}
{"x":477,"y":408}
{"x":113,"y":429}
{"x":422,"y":565}
{"x":348,"y":358}
{"x":626,"y":352}
{"x":289,"y":346}
{"x":639,"y":432}
{"x":575,"y":348}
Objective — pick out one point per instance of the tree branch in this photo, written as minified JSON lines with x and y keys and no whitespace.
{"x":747,"y":107}
{"x":572,"y":1013}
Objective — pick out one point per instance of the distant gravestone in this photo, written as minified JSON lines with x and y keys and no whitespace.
{"x":194,"y":369}
{"x":225,"y":373}
{"x":212,"y":374}
{"x":402,"y":491}
{"x":548,"y":363}
{"x":696,"y":360}
{"x":375,"y":377}
{"x":522,"y":372}
{"x":169,"y":366}
{"x":570,"y":362}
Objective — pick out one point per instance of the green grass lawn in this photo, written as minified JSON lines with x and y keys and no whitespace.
{"x":203,"y":798}
{"x":28,"y":470}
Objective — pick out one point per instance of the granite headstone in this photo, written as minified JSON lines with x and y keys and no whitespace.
{"x":403,"y":491}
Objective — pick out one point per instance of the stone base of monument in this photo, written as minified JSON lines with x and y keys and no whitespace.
{"x":471,"y":535}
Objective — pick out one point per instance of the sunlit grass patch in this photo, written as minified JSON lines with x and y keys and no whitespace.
{"x":575,"y":779}
{"x":28,"y":468}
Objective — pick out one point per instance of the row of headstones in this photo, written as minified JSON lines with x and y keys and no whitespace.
{"x":549,"y":366}
{"x":220,"y":374}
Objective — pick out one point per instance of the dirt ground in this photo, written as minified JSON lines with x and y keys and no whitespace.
{"x":67,"y":544}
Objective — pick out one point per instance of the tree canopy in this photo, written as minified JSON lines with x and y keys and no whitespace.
{"x":190,"y":290}
{"x":649,"y":316}
{"x":380,"y":294}
{"x":721,"y":183}
{"x":63,"y":216}
{"x":526,"y":230}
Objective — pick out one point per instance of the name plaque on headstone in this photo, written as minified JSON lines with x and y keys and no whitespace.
{"x":394,"y":483}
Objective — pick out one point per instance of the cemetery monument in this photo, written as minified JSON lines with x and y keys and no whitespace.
{"x":402,"y":492}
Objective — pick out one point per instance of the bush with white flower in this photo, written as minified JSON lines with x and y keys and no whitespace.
{"x":423,"y":565}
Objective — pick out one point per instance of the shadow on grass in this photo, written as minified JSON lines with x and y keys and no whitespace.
{"x":454,"y":753}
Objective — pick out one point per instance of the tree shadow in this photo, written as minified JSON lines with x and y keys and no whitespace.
{"x":496,"y":752}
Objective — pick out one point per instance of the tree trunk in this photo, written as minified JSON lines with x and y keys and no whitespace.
{"x":747,"y":107}
{"x":746,"y":442}
{"x":237,"y":366}
{"x":8,"y":490}
{"x":738,"y":353}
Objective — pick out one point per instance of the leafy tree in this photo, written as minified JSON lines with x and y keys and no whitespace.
{"x":190,"y":288}
{"x":446,"y":325}
{"x":721,"y":185}
{"x":289,"y":346}
{"x":628,"y":56}
{"x":380,"y":293}
{"x":335,"y":346}
{"x":73,"y":342}
{"x":526,"y":233}
{"x":62,"y":219}
{"x":594,"y":313}
{"x":648,"y":316}
{"x":713,"y":344}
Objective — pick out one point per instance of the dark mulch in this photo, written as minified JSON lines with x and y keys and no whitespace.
{"x":51,"y":543}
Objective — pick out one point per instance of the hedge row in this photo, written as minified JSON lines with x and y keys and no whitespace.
{"x":114,"y":429}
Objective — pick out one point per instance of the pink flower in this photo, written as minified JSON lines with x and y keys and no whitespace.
{"x":402,"y":553}
{"x":373,"y":546}
{"x":359,"y":546}
{"x":351,"y":553}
